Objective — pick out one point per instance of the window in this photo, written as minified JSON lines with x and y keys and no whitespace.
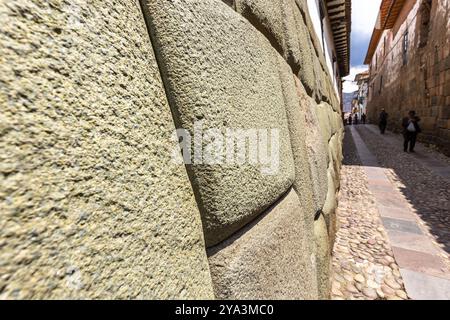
{"x":405,"y":47}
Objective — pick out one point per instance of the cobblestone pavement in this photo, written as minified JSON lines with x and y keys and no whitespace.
{"x":363,"y":263}
{"x":427,"y":192}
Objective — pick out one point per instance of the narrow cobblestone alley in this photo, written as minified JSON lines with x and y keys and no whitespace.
{"x":393,"y":225}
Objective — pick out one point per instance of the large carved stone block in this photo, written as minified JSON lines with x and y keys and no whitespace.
{"x":219,"y":69}
{"x":270,"y":259}
{"x":322,"y":257}
{"x":269,"y":17}
{"x":331,"y":199}
{"x":295,"y":100}
{"x":91,"y":204}
{"x":317,"y":153}
{"x":283,"y":24}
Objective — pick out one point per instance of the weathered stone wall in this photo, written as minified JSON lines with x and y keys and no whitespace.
{"x":92,"y":205}
{"x":423,"y":82}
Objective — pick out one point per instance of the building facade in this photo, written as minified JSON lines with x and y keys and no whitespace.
{"x":362,"y":80}
{"x":409,"y":58}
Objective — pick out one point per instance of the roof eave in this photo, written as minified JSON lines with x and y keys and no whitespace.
{"x":387,"y":16}
{"x":339,"y":14}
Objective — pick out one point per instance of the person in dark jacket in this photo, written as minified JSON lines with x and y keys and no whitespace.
{"x":411,"y":129}
{"x":382,"y":121}
{"x":363,"y":118}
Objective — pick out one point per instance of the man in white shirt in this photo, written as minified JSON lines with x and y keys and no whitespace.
{"x":411,"y":129}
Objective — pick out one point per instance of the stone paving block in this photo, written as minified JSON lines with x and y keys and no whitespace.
{"x":375,"y":174}
{"x":412,"y":241}
{"x":421,"y":262}
{"x":271,"y":258}
{"x":380,"y":186}
{"x":401,"y":225}
{"x":368,"y":162}
{"x":424,"y":287}
{"x":218,"y":68}
{"x":94,"y":208}
{"x":391,"y":198}
{"x":395,"y":213}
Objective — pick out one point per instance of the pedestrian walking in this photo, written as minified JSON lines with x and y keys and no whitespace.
{"x":382,"y":121}
{"x":411,"y":129}
{"x":350,"y":119}
{"x":356,"y":118}
{"x":363,"y":118}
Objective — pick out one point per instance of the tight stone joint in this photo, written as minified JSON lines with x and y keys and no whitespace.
{"x":318,"y":214}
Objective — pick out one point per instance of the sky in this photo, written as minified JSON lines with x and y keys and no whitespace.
{"x":364,"y":15}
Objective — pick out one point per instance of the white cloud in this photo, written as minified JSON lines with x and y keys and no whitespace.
{"x":349,"y":87}
{"x":349,"y":84}
{"x":364,"y":15}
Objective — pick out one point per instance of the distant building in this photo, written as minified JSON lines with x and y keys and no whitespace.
{"x":362,"y":80}
{"x":348,"y":101}
{"x":409,"y":58}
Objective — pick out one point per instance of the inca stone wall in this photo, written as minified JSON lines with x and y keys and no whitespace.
{"x":420,"y":79}
{"x":91,"y":203}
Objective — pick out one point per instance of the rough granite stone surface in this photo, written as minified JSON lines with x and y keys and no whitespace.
{"x":269,"y":17}
{"x":326,"y":119}
{"x":91,"y":205}
{"x":283,"y":24}
{"x":269,"y":259}
{"x":317,"y":152}
{"x":331,"y":200}
{"x":334,"y":149}
{"x":300,"y":49}
{"x":297,"y":128}
{"x":323,"y":257}
{"x":219,"y":69}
